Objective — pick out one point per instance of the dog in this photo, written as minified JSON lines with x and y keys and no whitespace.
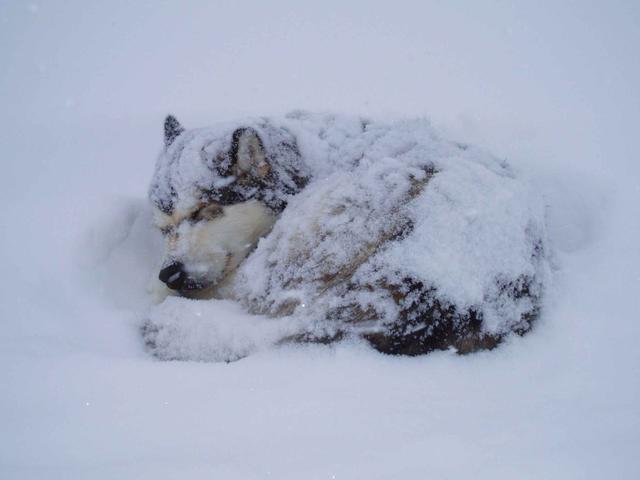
{"x":353,"y":229}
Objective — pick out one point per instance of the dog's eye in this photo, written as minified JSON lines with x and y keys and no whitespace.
{"x":211,"y":212}
{"x":207,"y":213}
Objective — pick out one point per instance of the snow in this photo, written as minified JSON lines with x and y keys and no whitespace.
{"x":210,"y":330}
{"x":84,"y":92}
{"x":190,"y":165}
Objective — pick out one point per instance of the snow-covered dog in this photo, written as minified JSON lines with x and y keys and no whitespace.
{"x":341,"y":227}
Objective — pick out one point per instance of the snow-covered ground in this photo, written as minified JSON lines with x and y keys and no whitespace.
{"x":84,"y":89}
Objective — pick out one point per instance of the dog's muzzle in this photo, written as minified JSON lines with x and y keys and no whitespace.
{"x":176,"y":278}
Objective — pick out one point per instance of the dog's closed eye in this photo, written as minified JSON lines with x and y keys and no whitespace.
{"x":207,"y":213}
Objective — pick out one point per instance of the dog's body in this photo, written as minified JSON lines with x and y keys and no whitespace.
{"x":386,"y":232}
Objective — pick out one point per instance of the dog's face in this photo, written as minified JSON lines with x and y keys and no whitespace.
{"x":204,"y":247}
{"x":207,"y":242}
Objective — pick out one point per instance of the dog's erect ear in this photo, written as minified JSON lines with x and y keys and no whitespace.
{"x":172,"y":129}
{"x":248,"y":155}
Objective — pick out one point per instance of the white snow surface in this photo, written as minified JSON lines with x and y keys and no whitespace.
{"x":85,"y":88}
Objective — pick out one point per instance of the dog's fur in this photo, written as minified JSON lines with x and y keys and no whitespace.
{"x":253,"y":178}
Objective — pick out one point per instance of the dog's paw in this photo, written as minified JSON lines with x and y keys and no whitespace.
{"x":214,"y":331}
{"x":150,"y":333}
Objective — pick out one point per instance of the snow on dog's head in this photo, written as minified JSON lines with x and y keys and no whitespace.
{"x":216,"y":191}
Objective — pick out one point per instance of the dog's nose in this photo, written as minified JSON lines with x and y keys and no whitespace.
{"x":173,"y":275}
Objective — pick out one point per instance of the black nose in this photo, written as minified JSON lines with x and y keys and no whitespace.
{"x":173,"y":275}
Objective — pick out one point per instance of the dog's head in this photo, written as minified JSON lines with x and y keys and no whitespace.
{"x":216,"y":192}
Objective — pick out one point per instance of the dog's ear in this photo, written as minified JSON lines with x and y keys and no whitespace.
{"x":248,"y":156}
{"x":172,"y":129}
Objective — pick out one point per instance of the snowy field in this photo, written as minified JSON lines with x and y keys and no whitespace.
{"x":554,"y":89}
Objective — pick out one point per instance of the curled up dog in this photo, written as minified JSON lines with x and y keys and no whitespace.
{"x":331,"y":227}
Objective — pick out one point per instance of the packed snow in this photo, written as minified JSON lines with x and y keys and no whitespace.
{"x":85,"y":89}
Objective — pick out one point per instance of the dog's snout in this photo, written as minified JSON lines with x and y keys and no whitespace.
{"x":173,"y":275}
